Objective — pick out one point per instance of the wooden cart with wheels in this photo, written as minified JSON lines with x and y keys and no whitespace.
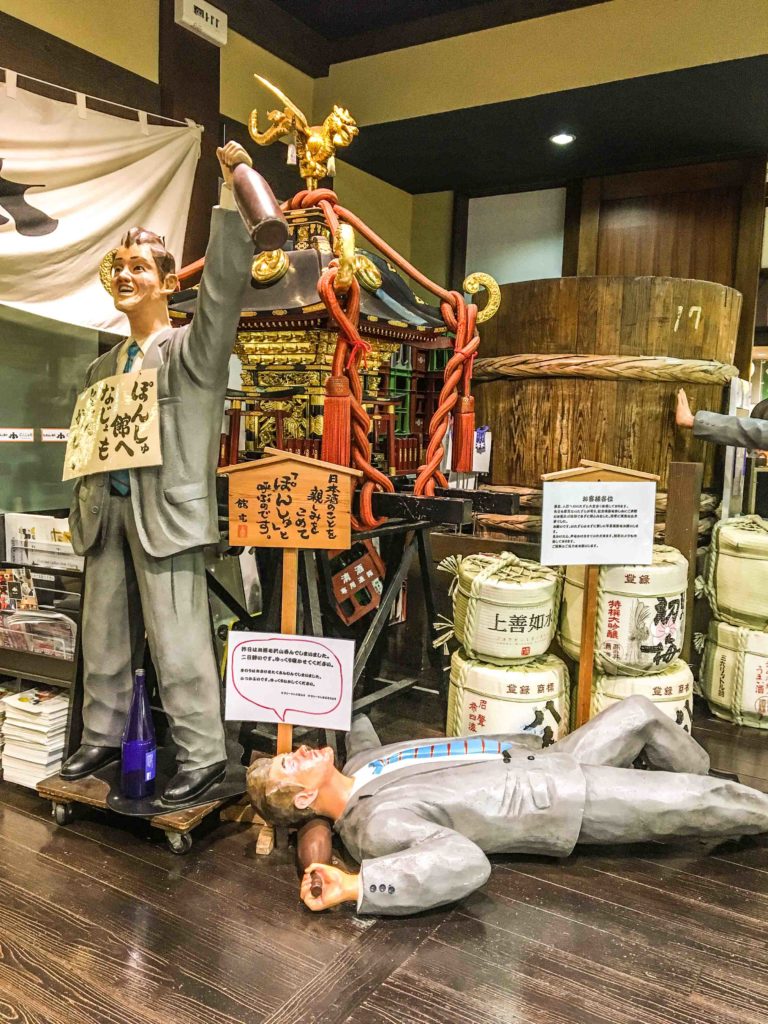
{"x":94,"y":791}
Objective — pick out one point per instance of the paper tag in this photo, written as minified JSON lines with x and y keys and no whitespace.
{"x":291,"y":157}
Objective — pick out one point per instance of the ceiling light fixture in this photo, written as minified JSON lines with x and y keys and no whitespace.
{"x":562,"y":138}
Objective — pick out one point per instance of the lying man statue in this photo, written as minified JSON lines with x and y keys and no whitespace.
{"x":420,"y":816}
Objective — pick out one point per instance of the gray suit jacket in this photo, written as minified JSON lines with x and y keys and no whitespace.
{"x":174,"y":504}
{"x":742,"y":433}
{"x":422,"y":833}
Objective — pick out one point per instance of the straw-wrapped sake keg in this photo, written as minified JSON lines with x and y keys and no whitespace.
{"x":640,"y":613}
{"x":671,"y":690}
{"x":531,"y":696}
{"x":734,"y":674}
{"x":736,"y":574}
{"x":504,"y":607}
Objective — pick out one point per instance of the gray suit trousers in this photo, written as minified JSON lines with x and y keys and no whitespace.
{"x":126,"y":592}
{"x":678,"y":800}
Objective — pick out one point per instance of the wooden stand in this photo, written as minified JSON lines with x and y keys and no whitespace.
{"x":588,"y":472}
{"x":284,"y":500}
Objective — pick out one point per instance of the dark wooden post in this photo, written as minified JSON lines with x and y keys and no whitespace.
{"x":682,"y":529}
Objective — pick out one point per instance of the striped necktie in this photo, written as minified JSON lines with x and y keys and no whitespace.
{"x":119,"y":480}
{"x":446,"y":748}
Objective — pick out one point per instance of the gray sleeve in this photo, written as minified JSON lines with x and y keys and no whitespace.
{"x":361,"y":737}
{"x":733,"y":430}
{"x":426,"y":865}
{"x":208,"y":343}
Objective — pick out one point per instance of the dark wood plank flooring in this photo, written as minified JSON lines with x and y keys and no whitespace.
{"x":101,"y":924}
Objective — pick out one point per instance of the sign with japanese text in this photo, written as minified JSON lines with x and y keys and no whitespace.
{"x":597,"y":522}
{"x":288,"y":502}
{"x":54,"y":434}
{"x":115,"y":425}
{"x":296,"y":680}
{"x":17,"y":434}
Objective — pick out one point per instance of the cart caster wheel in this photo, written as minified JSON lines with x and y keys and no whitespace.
{"x":63,"y":814}
{"x":179,"y":842}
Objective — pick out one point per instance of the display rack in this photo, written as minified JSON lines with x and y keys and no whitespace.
{"x":59,"y":593}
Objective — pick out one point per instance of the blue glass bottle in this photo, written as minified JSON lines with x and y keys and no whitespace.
{"x":139,"y":760}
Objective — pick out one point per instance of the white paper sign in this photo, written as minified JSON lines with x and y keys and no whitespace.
{"x":17,"y":434}
{"x":598,"y":523}
{"x":297,"y":680}
{"x":54,"y":433}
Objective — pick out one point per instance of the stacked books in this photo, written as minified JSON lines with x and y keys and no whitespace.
{"x":4,"y":692}
{"x":32,"y":731}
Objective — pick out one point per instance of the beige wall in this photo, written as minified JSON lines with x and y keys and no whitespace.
{"x":241,"y":93}
{"x":386,"y":209}
{"x":431,"y":229}
{"x":124,"y":33}
{"x":603,"y":43}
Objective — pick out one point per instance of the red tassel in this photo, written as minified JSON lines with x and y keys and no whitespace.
{"x":462,"y":453}
{"x":337,"y":421}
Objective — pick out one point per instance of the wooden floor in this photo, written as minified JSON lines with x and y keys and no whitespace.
{"x":103,"y":924}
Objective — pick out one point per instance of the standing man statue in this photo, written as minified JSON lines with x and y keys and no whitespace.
{"x":421,"y":815}
{"x":143,"y":530}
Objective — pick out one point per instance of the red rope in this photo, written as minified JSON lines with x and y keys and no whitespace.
{"x":459,"y":317}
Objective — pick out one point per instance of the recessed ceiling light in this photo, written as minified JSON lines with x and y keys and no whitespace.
{"x":562,"y":138}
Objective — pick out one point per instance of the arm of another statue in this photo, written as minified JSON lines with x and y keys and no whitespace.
{"x":208,"y":343}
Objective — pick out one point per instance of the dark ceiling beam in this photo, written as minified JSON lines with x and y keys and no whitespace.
{"x":265,"y":24}
{"x":451,"y":23}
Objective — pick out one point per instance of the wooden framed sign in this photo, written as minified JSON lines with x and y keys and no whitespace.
{"x":290,"y":501}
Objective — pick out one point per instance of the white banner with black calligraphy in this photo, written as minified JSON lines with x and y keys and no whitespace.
{"x":72,"y":181}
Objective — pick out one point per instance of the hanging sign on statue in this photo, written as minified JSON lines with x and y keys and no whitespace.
{"x":296,"y":680}
{"x":115,"y":425}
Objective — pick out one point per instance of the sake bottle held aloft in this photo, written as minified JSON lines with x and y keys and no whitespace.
{"x":139,"y":760}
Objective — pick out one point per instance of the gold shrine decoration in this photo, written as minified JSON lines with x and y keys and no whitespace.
{"x":105,"y":271}
{"x":474,"y":283}
{"x":316,"y":145}
{"x":269,"y":267}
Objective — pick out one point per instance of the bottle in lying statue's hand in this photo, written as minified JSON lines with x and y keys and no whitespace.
{"x":139,"y":751}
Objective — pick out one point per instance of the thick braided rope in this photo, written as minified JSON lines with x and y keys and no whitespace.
{"x":599,"y":367}
{"x":458,"y":315}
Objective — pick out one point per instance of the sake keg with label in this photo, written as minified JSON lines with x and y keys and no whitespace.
{"x":736,"y":573}
{"x":528,"y":697}
{"x":504,"y":607}
{"x":640,"y":614}
{"x":734,"y":674}
{"x":671,"y":690}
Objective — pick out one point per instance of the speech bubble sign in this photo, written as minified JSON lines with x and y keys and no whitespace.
{"x":298,"y":680}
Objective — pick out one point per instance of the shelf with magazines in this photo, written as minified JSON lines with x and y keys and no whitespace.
{"x":40,"y":618}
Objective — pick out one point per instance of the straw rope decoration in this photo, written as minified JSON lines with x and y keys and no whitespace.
{"x":736,"y":706}
{"x":605,"y":367}
{"x":612,"y":666}
{"x":749,"y":524}
{"x":467,"y":663}
{"x":506,"y":567}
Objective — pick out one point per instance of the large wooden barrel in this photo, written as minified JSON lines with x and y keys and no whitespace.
{"x":542,"y":424}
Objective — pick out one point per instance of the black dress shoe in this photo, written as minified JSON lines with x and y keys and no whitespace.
{"x":86,"y":760}
{"x":193,"y":782}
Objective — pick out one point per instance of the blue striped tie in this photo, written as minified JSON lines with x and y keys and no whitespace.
{"x":119,"y":480}
{"x":472,"y":745}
